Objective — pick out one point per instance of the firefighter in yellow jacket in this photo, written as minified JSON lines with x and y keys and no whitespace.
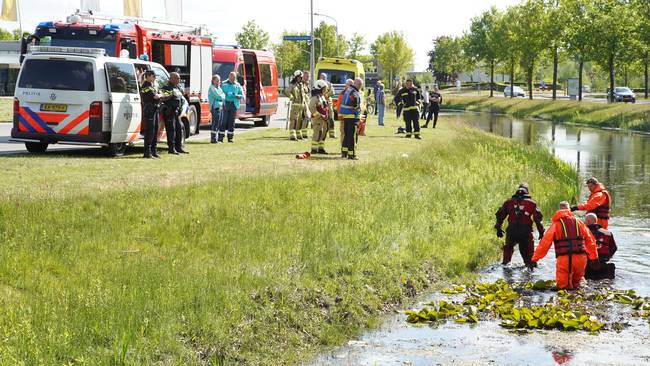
{"x":328,"y":93}
{"x":296,"y":95}
{"x":306,"y":89}
{"x":320,"y":111}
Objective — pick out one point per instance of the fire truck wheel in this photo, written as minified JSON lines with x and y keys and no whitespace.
{"x":115,"y":150}
{"x":36,"y":147}
{"x":263,"y":122}
{"x":193,"y":118}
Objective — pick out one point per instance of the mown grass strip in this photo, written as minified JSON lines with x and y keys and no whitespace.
{"x":259,"y":266}
{"x":619,"y":115}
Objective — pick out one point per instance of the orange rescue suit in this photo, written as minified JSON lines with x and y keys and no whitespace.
{"x":565,"y":276}
{"x":599,"y":203}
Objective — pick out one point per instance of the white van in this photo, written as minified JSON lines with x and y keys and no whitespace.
{"x":80,"y":96}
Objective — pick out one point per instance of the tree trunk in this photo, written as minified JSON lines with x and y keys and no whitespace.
{"x":625,"y":77}
{"x":612,"y":77}
{"x":512,"y":78}
{"x":492,"y":78}
{"x":530,"y":81}
{"x":645,"y":64}
{"x":555,"y":62}
{"x":581,"y":66}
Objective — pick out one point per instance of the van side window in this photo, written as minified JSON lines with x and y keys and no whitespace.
{"x":267,"y":78}
{"x":121,"y":78}
{"x":162,"y":78}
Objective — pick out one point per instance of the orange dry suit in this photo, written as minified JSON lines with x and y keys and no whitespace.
{"x":599,"y":203}
{"x":573,"y":245}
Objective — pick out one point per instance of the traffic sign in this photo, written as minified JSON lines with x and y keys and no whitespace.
{"x":296,"y":38}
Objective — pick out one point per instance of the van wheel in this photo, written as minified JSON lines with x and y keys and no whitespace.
{"x":115,"y":150}
{"x":36,"y":147}
{"x":193,"y":118}
{"x":263,"y":122}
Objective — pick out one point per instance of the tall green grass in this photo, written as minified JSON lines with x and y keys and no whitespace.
{"x":262,"y":268}
{"x":619,"y":115}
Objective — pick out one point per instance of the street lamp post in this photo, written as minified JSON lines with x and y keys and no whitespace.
{"x":311,"y":56}
{"x":337,"y":30}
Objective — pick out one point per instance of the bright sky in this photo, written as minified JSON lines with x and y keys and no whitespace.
{"x":421,"y":21}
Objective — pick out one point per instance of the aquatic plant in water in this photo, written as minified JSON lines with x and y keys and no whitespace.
{"x":570,"y":311}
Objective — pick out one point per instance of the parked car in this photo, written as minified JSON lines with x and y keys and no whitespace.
{"x":623,"y":94}
{"x":518,"y":92}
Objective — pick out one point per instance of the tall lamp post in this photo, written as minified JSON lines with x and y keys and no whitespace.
{"x":337,"y":30}
{"x":311,"y":57}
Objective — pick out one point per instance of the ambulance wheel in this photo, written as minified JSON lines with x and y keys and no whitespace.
{"x":263,"y":122}
{"x":193,"y":119}
{"x":36,"y":147}
{"x":115,"y":150}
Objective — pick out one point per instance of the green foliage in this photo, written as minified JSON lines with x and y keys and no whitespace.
{"x":356,"y":46}
{"x":620,"y":115}
{"x":252,"y":36}
{"x":393,"y":54}
{"x":6,"y":35}
{"x":288,"y":56}
{"x":447,"y":58}
{"x":569,"y":311}
{"x":243,"y":260}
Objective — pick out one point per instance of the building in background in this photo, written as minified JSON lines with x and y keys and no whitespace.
{"x":9,"y":66}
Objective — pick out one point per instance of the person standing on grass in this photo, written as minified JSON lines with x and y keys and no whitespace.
{"x":172,"y":98}
{"x":435,"y":99}
{"x":381,"y":103}
{"x":409,"y":96}
{"x":348,"y":83}
{"x":296,"y":96}
{"x":306,"y":118}
{"x":398,"y":102}
{"x":215,"y":98}
{"x":150,"y":102}
{"x":328,"y":97}
{"x":319,"y":110}
{"x":425,"y":102}
{"x":351,"y":112}
{"x":234,"y":93}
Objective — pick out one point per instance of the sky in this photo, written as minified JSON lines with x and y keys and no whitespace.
{"x":420,"y":20}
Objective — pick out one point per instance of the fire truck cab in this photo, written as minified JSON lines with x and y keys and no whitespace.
{"x":257,"y":73}
{"x":177,"y":47}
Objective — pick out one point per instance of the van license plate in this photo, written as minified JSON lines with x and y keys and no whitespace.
{"x":54,"y":107}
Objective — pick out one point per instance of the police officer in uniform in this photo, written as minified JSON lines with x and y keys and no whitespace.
{"x":410,"y":97}
{"x":172,"y":102}
{"x":435,"y":99}
{"x":150,"y":102}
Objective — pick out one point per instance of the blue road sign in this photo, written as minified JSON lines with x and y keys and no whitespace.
{"x":297,"y":38}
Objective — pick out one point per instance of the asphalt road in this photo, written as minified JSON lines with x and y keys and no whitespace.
{"x":9,"y":147}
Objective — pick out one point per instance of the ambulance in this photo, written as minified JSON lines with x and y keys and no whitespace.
{"x":338,"y":70}
{"x":80,"y":96}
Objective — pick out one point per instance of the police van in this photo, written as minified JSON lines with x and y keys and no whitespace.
{"x":80,"y":96}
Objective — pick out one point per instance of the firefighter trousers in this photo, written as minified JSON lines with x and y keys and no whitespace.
{"x":350,"y":138}
{"x":295,"y":121}
{"x":412,"y":119}
{"x":319,"y":128}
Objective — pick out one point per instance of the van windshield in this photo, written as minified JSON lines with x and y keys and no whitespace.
{"x":223,"y":69}
{"x":337,"y":76}
{"x":57,"y":75}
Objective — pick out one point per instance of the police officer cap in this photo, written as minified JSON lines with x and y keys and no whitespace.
{"x":297,"y":73}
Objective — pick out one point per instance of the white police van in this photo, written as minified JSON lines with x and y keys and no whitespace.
{"x":80,"y":96}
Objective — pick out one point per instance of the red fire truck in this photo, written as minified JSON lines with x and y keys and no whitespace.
{"x":177,"y":47}
{"x":257,"y":72}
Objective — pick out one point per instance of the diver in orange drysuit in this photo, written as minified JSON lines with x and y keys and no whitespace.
{"x":599,"y":202}
{"x":573,"y":243}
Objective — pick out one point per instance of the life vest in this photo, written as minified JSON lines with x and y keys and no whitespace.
{"x":521,"y":211}
{"x":602,"y":212}
{"x":604,"y":241}
{"x":347,"y":109}
{"x":570,"y":240}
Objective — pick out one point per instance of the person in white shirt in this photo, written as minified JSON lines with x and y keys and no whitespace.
{"x":425,"y":102}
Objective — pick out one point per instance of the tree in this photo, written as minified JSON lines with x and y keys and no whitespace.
{"x":289,"y":58}
{"x":506,"y":41}
{"x":356,"y":46}
{"x":578,"y":40}
{"x":555,"y":23}
{"x":252,"y":37}
{"x":393,"y":54}
{"x":447,"y":59}
{"x":530,"y":36}
{"x":642,"y":7}
{"x":481,"y":42}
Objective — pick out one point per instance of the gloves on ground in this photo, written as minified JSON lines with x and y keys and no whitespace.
{"x":574,"y":208}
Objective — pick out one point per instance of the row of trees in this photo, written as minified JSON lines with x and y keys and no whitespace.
{"x":613,"y":34}
{"x":390,"y":52}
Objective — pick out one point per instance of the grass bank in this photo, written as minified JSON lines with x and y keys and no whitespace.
{"x":6,"y":109}
{"x":619,"y":115}
{"x":261,"y":259}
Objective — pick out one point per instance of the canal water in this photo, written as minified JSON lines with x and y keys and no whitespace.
{"x":619,"y":159}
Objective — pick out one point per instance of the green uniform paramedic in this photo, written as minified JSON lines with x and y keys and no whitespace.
{"x":234,"y":93}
